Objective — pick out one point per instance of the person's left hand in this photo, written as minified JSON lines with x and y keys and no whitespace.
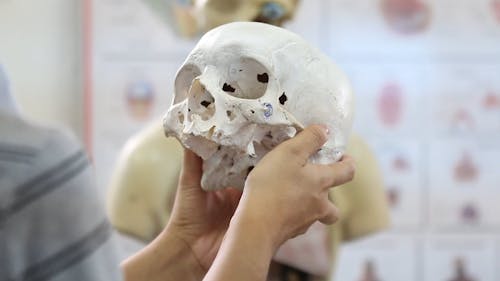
{"x":201,"y":218}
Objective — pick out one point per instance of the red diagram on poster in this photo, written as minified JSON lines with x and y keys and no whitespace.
{"x":495,"y":7}
{"x":465,"y":170}
{"x":390,"y":104}
{"x":407,"y":16}
{"x":400,"y":164}
{"x":491,"y":101}
{"x":462,"y":119}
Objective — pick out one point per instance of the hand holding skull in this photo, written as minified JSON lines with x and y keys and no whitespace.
{"x":287,"y":193}
{"x":282,"y":197}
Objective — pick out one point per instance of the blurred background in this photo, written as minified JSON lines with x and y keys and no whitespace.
{"x":426,"y":75}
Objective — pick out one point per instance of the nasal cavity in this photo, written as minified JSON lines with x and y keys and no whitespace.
{"x":200,"y":101}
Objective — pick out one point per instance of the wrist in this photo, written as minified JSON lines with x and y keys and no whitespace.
{"x":256,"y":225}
{"x":168,"y":257}
{"x":247,"y":247}
{"x":256,"y":216}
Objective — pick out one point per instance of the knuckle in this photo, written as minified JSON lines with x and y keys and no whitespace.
{"x":350,"y":170}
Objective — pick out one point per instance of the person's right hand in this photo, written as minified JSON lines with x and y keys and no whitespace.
{"x":285,"y":194}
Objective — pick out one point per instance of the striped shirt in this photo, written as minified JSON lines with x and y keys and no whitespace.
{"x":52,"y":221}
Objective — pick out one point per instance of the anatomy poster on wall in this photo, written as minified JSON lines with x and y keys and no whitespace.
{"x":136,"y":93}
{"x":408,"y":30}
{"x":468,"y":170}
{"x":132,"y":74}
{"x":375,"y":258}
{"x":401,"y":163}
{"x":425,"y":74}
{"x":459,"y":258}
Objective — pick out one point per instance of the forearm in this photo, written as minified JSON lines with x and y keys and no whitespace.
{"x":245,"y":253}
{"x":166,"y":258}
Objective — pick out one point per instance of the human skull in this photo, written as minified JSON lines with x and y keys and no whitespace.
{"x":245,"y":88}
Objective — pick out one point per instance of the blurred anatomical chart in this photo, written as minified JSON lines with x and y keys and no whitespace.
{"x":132,"y":74}
{"x":427,"y":79}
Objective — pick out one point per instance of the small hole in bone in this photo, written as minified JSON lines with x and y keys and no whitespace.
{"x":189,"y":109}
{"x":283,"y":98}
{"x":219,"y":147}
{"x":230,"y":115}
{"x":263,"y":78}
{"x":253,"y":111}
{"x":227,"y":88}
{"x":205,"y":103}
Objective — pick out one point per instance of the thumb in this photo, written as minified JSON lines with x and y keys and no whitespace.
{"x":307,"y":142}
{"x":191,"y":170}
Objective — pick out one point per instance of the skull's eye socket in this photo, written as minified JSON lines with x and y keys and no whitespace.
{"x":246,"y":79}
{"x":183,"y":80}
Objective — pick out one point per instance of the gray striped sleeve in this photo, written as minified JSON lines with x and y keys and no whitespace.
{"x":52,"y":222}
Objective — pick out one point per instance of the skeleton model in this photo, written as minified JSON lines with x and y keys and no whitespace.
{"x":245,"y":88}
{"x":195,"y":17}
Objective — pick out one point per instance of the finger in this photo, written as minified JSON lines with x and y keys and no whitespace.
{"x":191,"y":169}
{"x":334,"y":174}
{"x":307,"y":142}
{"x":331,"y":213}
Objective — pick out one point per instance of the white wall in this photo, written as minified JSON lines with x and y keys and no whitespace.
{"x":40,"y":49}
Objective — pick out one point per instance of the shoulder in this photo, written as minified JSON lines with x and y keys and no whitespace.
{"x":30,"y":150}
{"x":41,"y":138}
{"x":359,"y":148}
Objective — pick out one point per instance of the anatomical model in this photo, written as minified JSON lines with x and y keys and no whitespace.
{"x":193,"y":17}
{"x":144,"y":185}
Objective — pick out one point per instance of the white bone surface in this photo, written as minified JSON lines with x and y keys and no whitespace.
{"x":229,"y":102}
